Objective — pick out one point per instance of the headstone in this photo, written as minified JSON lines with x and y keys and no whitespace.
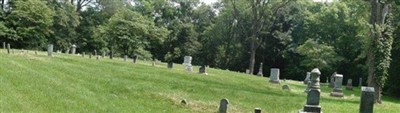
{"x":125,"y":57}
{"x":12,"y":51}
{"x":202,"y":70}
{"x":327,"y":79}
{"x":134,"y":58}
{"x":312,"y":104}
{"x":184,"y":102}
{"x":187,"y":62}
{"x":4,"y":45}
{"x":247,"y":71}
{"x":35,"y":52}
{"x":285,"y":87}
{"x":153,"y":63}
{"x":332,"y":81}
{"x":95,"y":54}
{"x":8,"y":48}
{"x":308,"y":87}
{"x":111,"y":55}
{"x":367,"y":99}
{"x":257,"y":110}
{"x":274,"y":77}
{"x":90,"y":55}
{"x":73,"y":49}
{"x":83,"y":54}
{"x":50,"y":50}
{"x":103,"y":54}
{"x":307,"y":78}
{"x":170,"y":65}
{"x":67,"y":51}
{"x":260,"y":73}
{"x":223,"y":106}
{"x":360,"y":82}
{"x":349,"y":85}
{"x":337,"y":90}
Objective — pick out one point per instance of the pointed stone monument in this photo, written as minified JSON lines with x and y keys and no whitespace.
{"x":73,"y":49}
{"x":260,"y":71}
{"x":313,"y":96}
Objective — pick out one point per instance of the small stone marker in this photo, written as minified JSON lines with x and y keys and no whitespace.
{"x":103,"y":54}
{"x":125,"y":57}
{"x":360,"y":82}
{"x":73,"y":49}
{"x":170,"y":65}
{"x":247,"y":71}
{"x":312,"y":105}
{"x":274,"y":77}
{"x":134,"y":58}
{"x":95,"y":54}
{"x":367,"y":99}
{"x":8,"y":48}
{"x":50,"y":50}
{"x":187,"y":62}
{"x":202,"y":70}
{"x":332,"y":82}
{"x":83,"y":54}
{"x":90,"y":55}
{"x":184,"y":102}
{"x":111,"y":55}
{"x":223,"y":106}
{"x":285,"y":87}
{"x":260,"y":73}
{"x":257,"y":110}
{"x":307,"y":78}
{"x":337,"y":90}
{"x":349,"y":85}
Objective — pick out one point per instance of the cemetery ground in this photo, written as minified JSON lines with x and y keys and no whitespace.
{"x":70,"y":83}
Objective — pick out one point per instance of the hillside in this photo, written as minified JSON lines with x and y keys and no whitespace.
{"x":70,"y":83}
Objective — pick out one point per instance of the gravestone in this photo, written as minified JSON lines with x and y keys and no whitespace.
{"x":95,"y":54}
{"x":83,"y":54}
{"x":67,"y":51}
{"x":170,"y":65}
{"x":327,"y":79}
{"x":50,"y":50}
{"x":307,"y":78}
{"x":8,"y":48}
{"x":274,"y":77}
{"x":184,"y":102}
{"x":73,"y":49}
{"x":35,"y":52}
{"x":4,"y":45}
{"x":308,"y":86}
{"x":313,"y":96}
{"x":202,"y":70}
{"x":349,"y":85}
{"x":103,"y":54}
{"x":125,"y":57}
{"x":223,"y":106}
{"x":332,"y":81}
{"x":360,"y":82}
{"x":257,"y":110}
{"x":337,"y":90}
{"x":134,"y":58}
{"x":187,"y":62}
{"x":367,"y":99}
{"x":247,"y":71}
{"x":111,"y":54}
{"x":90,"y":55}
{"x":260,"y":70}
{"x":285,"y":87}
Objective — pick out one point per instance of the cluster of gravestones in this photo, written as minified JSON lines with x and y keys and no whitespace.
{"x":313,"y":92}
{"x":223,"y":106}
{"x":9,"y":50}
{"x":187,"y":63}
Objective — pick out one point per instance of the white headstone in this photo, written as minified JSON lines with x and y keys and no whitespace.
{"x":50,"y":50}
{"x":73,"y":49}
{"x":187,"y":62}
{"x":274,"y":77}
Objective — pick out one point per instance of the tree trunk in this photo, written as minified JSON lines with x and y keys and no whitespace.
{"x":252,"y":56}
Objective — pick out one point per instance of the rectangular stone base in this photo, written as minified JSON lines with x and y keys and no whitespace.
{"x":312,"y":109}
{"x":337,"y":94}
{"x":274,"y":81}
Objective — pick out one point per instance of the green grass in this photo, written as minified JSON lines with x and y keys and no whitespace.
{"x":70,"y":83}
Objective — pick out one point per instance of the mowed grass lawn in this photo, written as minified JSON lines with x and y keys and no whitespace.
{"x":70,"y":83}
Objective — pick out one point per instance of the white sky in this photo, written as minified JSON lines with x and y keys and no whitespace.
{"x":212,"y":1}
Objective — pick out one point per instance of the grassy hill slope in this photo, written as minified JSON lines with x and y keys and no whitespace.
{"x":70,"y":83}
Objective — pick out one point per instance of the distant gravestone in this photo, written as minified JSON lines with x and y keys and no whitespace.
{"x":360,"y":82}
{"x":111,"y":54}
{"x":134,"y":58}
{"x":349,"y":85}
{"x":332,"y":81}
{"x":73,"y":49}
{"x":50,"y":50}
{"x":247,"y":71}
{"x":103,"y":54}
{"x":4,"y":45}
{"x":308,"y":87}
{"x":8,"y":48}
{"x":90,"y":55}
{"x":367,"y":99}
{"x":67,"y":51}
{"x":223,"y":106}
{"x":184,"y":102}
{"x":260,"y":71}
{"x":307,"y":78}
{"x":83,"y":54}
{"x":202,"y":70}
{"x":95,"y":54}
{"x":285,"y":87}
{"x":274,"y":77}
{"x":313,"y":96}
{"x":170,"y":65}
{"x":257,"y":110}
{"x":125,"y":57}
{"x":337,"y":90}
{"x":187,"y":62}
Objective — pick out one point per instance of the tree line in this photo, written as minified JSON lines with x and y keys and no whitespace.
{"x":357,"y":38}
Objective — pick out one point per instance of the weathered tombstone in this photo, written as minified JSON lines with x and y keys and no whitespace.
{"x":327,"y":79}
{"x":90,"y":55}
{"x":247,"y":71}
{"x":337,"y":90}
{"x":307,"y":78}
{"x":8,"y":48}
{"x":223,"y":106}
{"x":312,"y":104}
{"x":260,"y":70}
{"x":257,"y":110}
{"x":35,"y":52}
{"x":50,"y":50}
{"x":67,"y":51}
{"x":367,"y":99}
{"x":103,"y":54}
{"x":95,"y":54}
{"x":83,"y":54}
{"x":73,"y":49}
{"x":360,"y":82}
{"x":125,"y":57}
{"x":187,"y":62}
{"x":332,"y":82}
{"x":285,"y":87}
{"x":274,"y":77}
{"x":153,"y":63}
{"x":349,"y":85}
{"x":134,"y":58}
{"x":308,"y":87}
{"x":111,"y":55}
{"x":4,"y":45}
{"x":170,"y":65}
{"x":202,"y":70}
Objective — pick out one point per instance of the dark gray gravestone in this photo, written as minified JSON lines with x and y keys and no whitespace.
{"x":125,"y":57}
{"x":111,"y":55}
{"x":202,"y":70}
{"x":332,"y":81}
{"x":134,"y":58}
{"x":257,"y":110}
{"x":285,"y":87}
{"x":8,"y":48}
{"x":50,"y":50}
{"x":313,"y":95}
{"x":349,"y":85}
{"x":223,"y":106}
{"x":170,"y":65}
{"x":337,"y":90}
{"x":90,"y":55}
{"x":367,"y":100}
{"x":360,"y":82}
{"x":260,"y":71}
